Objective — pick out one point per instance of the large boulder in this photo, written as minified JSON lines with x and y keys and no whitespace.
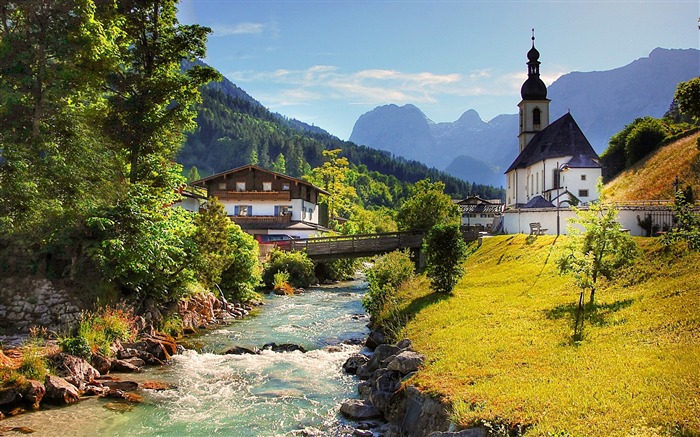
{"x":356,"y":409}
{"x":374,"y":339}
{"x":381,"y":353}
{"x":75,"y":370}
{"x":101,"y":363}
{"x":126,"y":366}
{"x":285,"y":347}
{"x":406,"y":362}
{"x":28,"y":394}
{"x":59,"y":391}
{"x":239,"y":350}
{"x":354,"y":362}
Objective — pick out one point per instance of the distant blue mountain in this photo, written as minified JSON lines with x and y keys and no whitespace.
{"x":602,"y":102}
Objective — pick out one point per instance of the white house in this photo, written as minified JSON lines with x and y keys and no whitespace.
{"x":265,"y":202}
{"x":480,"y":212}
{"x":556,"y":164}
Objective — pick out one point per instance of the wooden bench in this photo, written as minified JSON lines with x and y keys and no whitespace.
{"x":537,"y":229}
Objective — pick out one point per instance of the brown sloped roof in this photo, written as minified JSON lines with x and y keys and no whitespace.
{"x":561,"y":138}
{"x":201,"y":182}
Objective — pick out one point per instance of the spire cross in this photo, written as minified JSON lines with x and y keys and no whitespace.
{"x":533,"y":37}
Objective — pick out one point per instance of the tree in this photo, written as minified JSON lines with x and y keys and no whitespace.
{"x":239,"y":280}
{"x":332,"y":177}
{"x":193,"y":174}
{"x":445,"y":252}
{"x":688,"y":98}
{"x":427,"y":207}
{"x":151,"y":100}
{"x":213,"y":254}
{"x":687,"y":223}
{"x":598,"y":246}
{"x":280,"y":165}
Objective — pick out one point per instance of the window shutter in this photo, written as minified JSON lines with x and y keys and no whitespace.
{"x":236,"y":210}
{"x":250,"y":210}
{"x":277,"y":210}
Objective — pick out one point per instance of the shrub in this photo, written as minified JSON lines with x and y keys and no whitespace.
{"x":77,"y":346}
{"x":445,"y":251}
{"x":384,"y":277}
{"x":337,"y":270}
{"x":646,"y":135}
{"x":297,"y":264}
{"x":243,"y":275}
{"x":172,"y":325}
{"x":33,"y":365}
{"x":102,"y":328}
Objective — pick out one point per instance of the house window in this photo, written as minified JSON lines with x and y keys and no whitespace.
{"x":267,"y":186}
{"x":222,"y":185}
{"x":583,"y":177}
{"x":285,"y":186}
{"x":240,"y":186}
{"x":582,"y":193}
{"x":283,"y":210}
{"x":243,"y":210}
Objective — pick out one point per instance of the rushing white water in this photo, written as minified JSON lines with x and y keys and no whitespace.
{"x":270,"y":394}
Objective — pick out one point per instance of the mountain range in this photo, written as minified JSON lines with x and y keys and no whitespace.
{"x":602,"y":102}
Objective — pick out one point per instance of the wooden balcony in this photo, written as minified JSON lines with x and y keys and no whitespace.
{"x":252,"y":195}
{"x":261,"y":219}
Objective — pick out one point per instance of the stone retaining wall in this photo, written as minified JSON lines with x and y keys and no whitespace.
{"x":36,"y":302}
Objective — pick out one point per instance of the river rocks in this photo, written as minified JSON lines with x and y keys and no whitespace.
{"x":354,"y":362}
{"x":374,"y":339}
{"x":474,"y":432}
{"x":238,"y":350}
{"x":406,"y":362}
{"x":356,"y":409}
{"x":114,"y":384}
{"x":126,"y":366}
{"x":73,"y":369}
{"x":101,"y":363}
{"x":285,"y":347}
{"x":27,"y":395}
{"x":59,"y":391}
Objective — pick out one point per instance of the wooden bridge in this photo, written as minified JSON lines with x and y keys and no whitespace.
{"x":362,"y":245}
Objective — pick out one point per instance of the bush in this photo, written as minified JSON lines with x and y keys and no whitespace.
{"x":384,"y":277}
{"x":33,"y":365}
{"x":102,"y":328}
{"x":445,"y":251}
{"x":297,"y":264}
{"x":243,"y":275}
{"x":644,"y":138}
{"x":172,"y":325}
{"x":337,"y":270}
{"x":76,"y":346}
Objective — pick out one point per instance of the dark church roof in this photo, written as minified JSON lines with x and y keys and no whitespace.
{"x":561,"y":138}
{"x":539,"y":202}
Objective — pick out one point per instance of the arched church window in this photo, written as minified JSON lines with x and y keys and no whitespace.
{"x":536,"y":116}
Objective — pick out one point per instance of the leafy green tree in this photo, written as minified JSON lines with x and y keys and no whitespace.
{"x":193,"y":174}
{"x":384,"y":277}
{"x":280,"y":165}
{"x":332,"y":177}
{"x":688,"y":98}
{"x":687,"y":225}
{"x":151,"y":100}
{"x":643,"y":138}
{"x":445,"y":252}
{"x":427,"y":207}
{"x":297,"y":264}
{"x":144,"y":247}
{"x":598,"y":246}
{"x":213,"y":254}
{"x":244,"y":274}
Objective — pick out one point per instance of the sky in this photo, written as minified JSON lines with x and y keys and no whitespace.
{"x":326,"y":62}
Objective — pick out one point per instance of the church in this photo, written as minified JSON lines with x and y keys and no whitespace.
{"x":557,"y":166}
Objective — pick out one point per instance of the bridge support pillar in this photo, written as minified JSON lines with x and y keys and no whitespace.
{"x":418,"y":257}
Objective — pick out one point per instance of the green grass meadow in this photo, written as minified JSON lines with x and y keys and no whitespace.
{"x":501,"y":349}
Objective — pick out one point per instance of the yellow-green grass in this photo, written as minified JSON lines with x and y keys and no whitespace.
{"x":653,"y":177}
{"x":500,"y":348}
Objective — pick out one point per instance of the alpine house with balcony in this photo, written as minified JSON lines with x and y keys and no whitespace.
{"x":265,"y":202}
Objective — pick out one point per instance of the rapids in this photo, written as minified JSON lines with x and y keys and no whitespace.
{"x":270,"y":394}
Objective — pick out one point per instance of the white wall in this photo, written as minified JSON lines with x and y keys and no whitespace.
{"x":267,"y":208}
{"x":518,"y":221}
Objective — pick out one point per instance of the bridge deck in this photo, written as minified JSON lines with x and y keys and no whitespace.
{"x":354,"y":246}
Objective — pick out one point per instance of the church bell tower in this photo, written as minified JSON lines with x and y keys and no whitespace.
{"x":534,"y":106}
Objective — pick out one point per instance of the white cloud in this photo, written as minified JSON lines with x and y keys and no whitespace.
{"x":377,"y":86}
{"x":246,"y":28}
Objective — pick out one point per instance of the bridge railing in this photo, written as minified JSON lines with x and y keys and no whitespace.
{"x":362,"y":243}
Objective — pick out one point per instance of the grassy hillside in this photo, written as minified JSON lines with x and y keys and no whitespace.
{"x":653,"y":177}
{"x":500,"y":348}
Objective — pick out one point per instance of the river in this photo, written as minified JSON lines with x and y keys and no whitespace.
{"x":270,"y":394}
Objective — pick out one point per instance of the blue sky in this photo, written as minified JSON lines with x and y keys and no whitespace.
{"x":328,"y":62}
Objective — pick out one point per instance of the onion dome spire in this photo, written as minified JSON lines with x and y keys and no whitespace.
{"x":533,"y":88}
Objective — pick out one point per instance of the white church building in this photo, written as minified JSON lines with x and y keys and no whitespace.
{"x":556,"y":168}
